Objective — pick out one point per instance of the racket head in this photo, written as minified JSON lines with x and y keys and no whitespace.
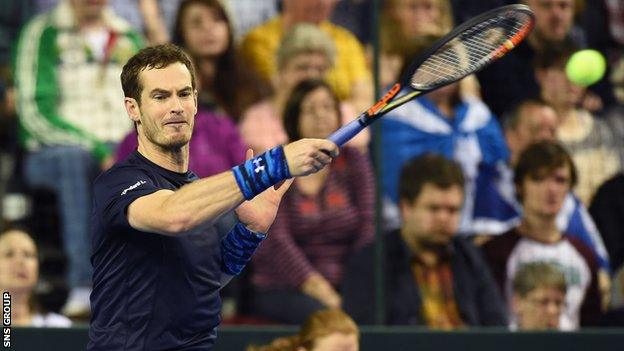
{"x":470,"y":47}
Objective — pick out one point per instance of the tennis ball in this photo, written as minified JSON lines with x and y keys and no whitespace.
{"x":586,"y":67}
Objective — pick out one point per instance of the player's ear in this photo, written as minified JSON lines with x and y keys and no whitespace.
{"x":132,"y":108}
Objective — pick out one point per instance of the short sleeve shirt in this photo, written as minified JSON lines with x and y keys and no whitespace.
{"x":150,"y":291}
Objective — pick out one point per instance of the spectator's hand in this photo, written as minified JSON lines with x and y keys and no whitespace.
{"x":107,"y":163}
{"x":591,"y":102}
{"x":308,"y":156}
{"x":319,"y":288}
{"x":259,"y":213}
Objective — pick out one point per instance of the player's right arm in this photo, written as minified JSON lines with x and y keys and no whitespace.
{"x":204,"y":201}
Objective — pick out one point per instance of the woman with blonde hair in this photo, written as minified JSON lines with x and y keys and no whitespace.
{"x":323,"y":330}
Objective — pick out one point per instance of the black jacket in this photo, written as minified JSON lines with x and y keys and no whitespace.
{"x":478,"y":298}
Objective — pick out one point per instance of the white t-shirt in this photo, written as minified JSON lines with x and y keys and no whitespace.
{"x":50,"y":320}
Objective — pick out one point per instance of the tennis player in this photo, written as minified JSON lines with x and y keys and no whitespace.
{"x":164,"y":241}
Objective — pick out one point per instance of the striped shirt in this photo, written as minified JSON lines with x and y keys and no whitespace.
{"x":316,"y":233}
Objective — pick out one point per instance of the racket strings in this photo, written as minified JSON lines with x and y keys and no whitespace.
{"x":470,"y":51}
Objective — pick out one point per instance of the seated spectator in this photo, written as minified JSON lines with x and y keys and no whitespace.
{"x":512,"y":79}
{"x":350,"y":77}
{"x":406,"y":23}
{"x":432,"y":276}
{"x":19,"y":273}
{"x":305,"y":52}
{"x":216,"y":145}
{"x":322,"y":330}
{"x":539,"y":292}
{"x":607,"y":209}
{"x":497,"y":209}
{"x":544,"y":175}
{"x":67,"y":68}
{"x":442,"y":122}
{"x":321,"y":221}
{"x":588,"y":139}
{"x":226,"y":85}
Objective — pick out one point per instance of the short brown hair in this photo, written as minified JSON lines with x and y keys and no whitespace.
{"x":428,"y":168}
{"x":513,"y":119}
{"x":543,"y":156}
{"x":153,"y":57}
{"x":536,"y":275}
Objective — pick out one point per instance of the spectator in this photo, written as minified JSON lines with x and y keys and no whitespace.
{"x":153,"y":18}
{"x":496,"y":207}
{"x":247,"y":14}
{"x":432,"y":276}
{"x":512,"y":79}
{"x":442,"y":122}
{"x":590,"y":142}
{"x":67,"y":70}
{"x":19,"y":273}
{"x":216,"y":145}
{"x":322,"y":330}
{"x":607,"y":209}
{"x":203,"y":29}
{"x":305,"y":52}
{"x":539,"y":292}
{"x":322,"y":219}
{"x":350,"y":77}
{"x":543,"y":177}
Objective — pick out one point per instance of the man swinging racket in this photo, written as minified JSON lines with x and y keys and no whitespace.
{"x":164,"y":241}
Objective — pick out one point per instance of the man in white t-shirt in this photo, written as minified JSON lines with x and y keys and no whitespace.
{"x":543,"y":177}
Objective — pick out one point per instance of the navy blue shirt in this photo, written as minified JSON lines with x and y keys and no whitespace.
{"x":150,"y":291}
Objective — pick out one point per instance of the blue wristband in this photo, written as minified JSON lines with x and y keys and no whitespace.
{"x":257,"y":174}
{"x":238,"y":247}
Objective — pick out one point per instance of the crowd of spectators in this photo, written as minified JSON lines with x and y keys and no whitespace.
{"x":502,"y":195}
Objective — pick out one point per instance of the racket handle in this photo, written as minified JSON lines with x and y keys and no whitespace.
{"x":346,"y":132}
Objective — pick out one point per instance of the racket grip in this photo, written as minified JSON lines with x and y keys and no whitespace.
{"x":346,"y":132}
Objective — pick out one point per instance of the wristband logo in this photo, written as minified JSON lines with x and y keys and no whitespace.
{"x":256,"y":163}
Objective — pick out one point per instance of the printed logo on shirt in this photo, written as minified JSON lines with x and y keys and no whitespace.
{"x":133,"y":186}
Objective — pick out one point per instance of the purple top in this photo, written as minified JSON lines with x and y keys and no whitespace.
{"x":216,"y":145}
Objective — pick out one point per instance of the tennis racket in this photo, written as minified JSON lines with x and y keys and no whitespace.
{"x":465,"y":50}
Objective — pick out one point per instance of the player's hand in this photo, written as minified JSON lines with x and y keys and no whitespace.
{"x":308,"y":156}
{"x":259,"y":213}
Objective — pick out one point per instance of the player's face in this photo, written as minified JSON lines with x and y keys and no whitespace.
{"x":337,"y":342}
{"x":19,"y":266}
{"x":553,"y":18}
{"x":537,"y":123}
{"x":543,"y":195}
{"x":205,"y":34}
{"x":168,"y":106}
{"x":310,"y":65}
{"x":319,"y":114}
{"x":540,"y":309}
{"x":432,"y":219}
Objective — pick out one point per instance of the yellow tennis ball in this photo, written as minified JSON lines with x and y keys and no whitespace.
{"x":586,"y":67}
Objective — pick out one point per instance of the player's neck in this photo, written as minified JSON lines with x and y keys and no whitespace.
{"x":175,"y":160}
{"x":540,"y":228}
